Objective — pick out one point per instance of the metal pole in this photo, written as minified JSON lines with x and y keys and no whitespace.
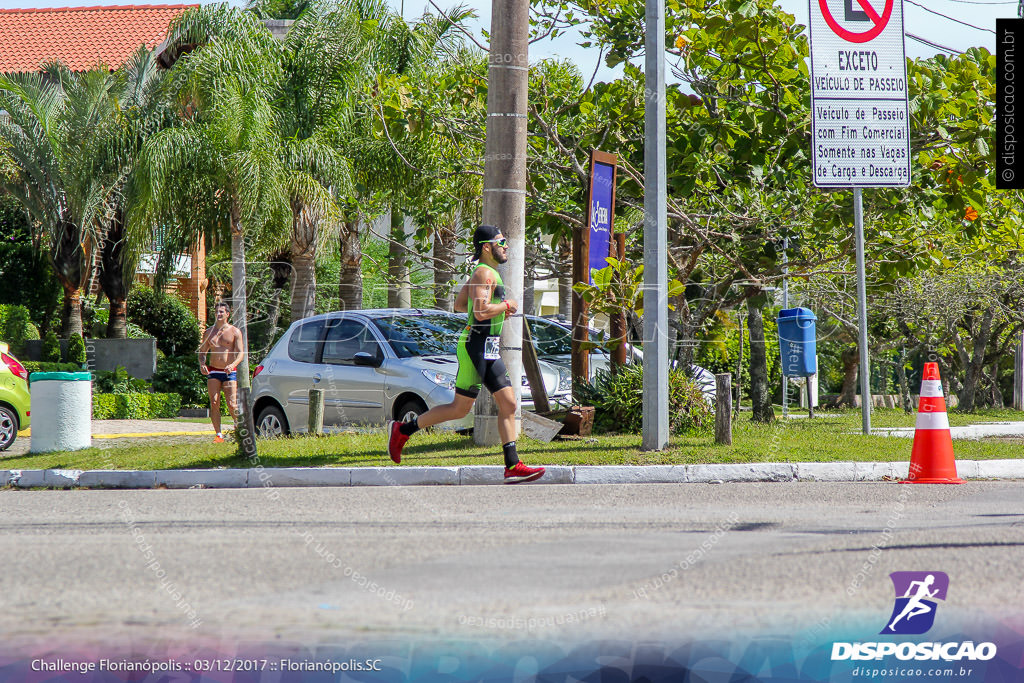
{"x":862,"y":312}
{"x":785,"y":305}
{"x":655,"y":397}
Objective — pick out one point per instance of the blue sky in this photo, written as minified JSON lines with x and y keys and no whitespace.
{"x":919,"y":21}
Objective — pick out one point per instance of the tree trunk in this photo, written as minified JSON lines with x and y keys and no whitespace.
{"x":850,"y":358}
{"x":114,"y":280}
{"x":529,"y":294}
{"x":444,"y":267}
{"x":69,"y":262}
{"x":505,"y":173}
{"x":350,"y":276}
{"x":761,"y":398}
{"x":239,"y":304}
{"x":974,"y":365}
{"x":72,"y":318}
{"x":399,"y":287}
{"x":117,"y":323}
{"x":303,"y":250}
{"x":901,"y":374}
{"x":565,"y":282}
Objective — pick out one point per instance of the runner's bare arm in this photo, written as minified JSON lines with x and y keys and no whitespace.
{"x":462,"y":300}
{"x":483,"y":284}
{"x":236,"y":346}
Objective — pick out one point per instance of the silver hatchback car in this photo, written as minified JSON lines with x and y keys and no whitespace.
{"x":372,"y":366}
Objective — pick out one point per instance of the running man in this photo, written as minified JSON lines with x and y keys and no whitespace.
{"x":483,"y":298}
{"x":914,"y":606}
{"x":222,"y":342}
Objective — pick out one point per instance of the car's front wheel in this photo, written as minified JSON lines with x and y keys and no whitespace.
{"x":8,"y":427}
{"x":271,"y":423}
{"x":410,"y":410}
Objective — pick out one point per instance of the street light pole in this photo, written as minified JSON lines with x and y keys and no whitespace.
{"x":655,"y":392}
{"x":504,"y":200}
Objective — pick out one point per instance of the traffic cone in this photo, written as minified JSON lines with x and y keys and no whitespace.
{"x":932,"y":460}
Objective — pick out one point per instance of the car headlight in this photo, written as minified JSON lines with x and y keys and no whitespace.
{"x":564,"y":379}
{"x":442,"y":379}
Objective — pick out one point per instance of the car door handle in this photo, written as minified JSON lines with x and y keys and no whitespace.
{"x":316,"y":378}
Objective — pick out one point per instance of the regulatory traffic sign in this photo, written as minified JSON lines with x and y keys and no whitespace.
{"x":860,"y":116}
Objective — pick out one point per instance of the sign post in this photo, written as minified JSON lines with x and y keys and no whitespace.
{"x":860,"y":117}
{"x":590,"y":249}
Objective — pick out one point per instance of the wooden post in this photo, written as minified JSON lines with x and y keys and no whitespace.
{"x":316,"y":411}
{"x":723,"y":409}
{"x":1018,"y":375}
{"x":533,"y":374}
{"x":739,"y":373}
{"x":618,"y":319}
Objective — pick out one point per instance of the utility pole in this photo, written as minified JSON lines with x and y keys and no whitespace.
{"x":504,"y":202}
{"x":655,"y":395}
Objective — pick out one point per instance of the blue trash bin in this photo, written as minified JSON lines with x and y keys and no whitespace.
{"x":797,"y":343}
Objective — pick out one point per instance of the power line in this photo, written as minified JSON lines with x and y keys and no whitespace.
{"x":975,"y":2}
{"x":946,"y":16}
{"x":931,"y":44}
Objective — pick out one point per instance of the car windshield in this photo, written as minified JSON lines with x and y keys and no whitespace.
{"x":428,"y":334}
{"x":552,"y":339}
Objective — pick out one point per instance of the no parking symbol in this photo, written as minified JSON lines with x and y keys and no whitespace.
{"x":866,"y":14}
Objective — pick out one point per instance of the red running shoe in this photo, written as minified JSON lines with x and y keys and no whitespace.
{"x":520,"y":474}
{"x":395,"y":442}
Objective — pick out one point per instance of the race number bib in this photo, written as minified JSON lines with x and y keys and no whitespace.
{"x":492,"y":348}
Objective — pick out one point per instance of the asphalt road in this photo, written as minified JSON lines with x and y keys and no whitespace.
{"x":503,"y":562}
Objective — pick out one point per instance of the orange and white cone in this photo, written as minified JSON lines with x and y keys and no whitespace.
{"x":932,"y":460}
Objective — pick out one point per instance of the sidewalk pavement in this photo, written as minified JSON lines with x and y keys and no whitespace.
{"x":471,"y":475}
{"x":972,"y":432}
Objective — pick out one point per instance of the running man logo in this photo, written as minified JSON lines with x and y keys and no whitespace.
{"x":916,"y":593}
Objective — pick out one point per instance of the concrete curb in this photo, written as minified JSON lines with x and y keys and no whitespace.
{"x":477,"y":475}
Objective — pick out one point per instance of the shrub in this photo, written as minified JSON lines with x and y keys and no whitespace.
{"x":180,"y":375}
{"x":36,"y":366}
{"x":131,"y":406}
{"x":51,"y":348}
{"x":164,"y":405}
{"x":119,"y":382}
{"x":76,"y":350}
{"x":134,"y":406}
{"x":618,"y":402}
{"x":103,"y":406}
{"x":16,"y":327}
{"x":165,"y":317}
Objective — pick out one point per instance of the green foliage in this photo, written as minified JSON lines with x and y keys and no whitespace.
{"x":180,"y":375}
{"x":25,"y":277}
{"x":164,"y":405}
{"x":135,"y":406}
{"x":118,"y":381}
{"x":103,"y":406}
{"x":16,"y":327}
{"x":51,"y":348}
{"x":37,"y":366}
{"x":720,"y":349}
{"x":76,"y":350}
{"x":165,"y":317}
{"x":618,"y":402}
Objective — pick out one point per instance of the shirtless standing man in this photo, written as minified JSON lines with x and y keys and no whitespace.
{"x":483,"y":298}
{"x":222,"y":342}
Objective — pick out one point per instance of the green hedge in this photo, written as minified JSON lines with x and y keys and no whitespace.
{"x":134,"y":406}
{"x":37,"y":366}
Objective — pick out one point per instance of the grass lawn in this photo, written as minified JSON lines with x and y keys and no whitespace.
{"x":833,"y":438}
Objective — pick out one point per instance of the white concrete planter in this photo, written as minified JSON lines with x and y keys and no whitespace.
{"x":61,"y":411}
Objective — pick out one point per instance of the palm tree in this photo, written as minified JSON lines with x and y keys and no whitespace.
{"x":225,"y":158}
{"x":49,"y":119}
{"x":137,"y":110}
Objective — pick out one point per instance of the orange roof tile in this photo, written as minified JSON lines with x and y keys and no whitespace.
{"x":80,"y":37}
